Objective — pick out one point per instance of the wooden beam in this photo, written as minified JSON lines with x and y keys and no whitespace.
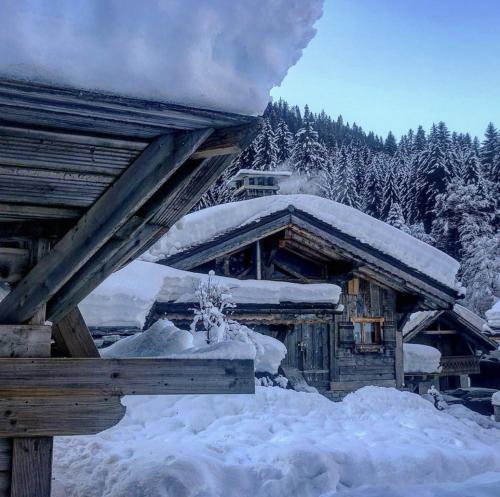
{"x":130,"y":191}
{"x":104,"y":377}
{"x":24,"y":211}
{"x":223,"y":141}
{"x":32,"y":461}
{"x":25,"y":340}
{"x":72,"y":337}
{"x":58,"y":416}
{"x":172,"y":201}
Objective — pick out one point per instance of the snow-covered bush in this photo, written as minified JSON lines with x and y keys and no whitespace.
{"x":213,"y":302}
{"x":436,"y":398}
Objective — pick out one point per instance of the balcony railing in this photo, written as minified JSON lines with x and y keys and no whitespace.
{"x":459,"y":364}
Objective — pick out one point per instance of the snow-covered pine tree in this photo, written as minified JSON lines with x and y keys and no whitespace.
{"x":391,"y":192}
{"x":480,"y":273}
{"x":340,"y":182}
{"x":371,"y":193}
{"x":396,"y":218}
{"x":266,"y":150}
{"x":308,"y":153}
{"x":463,"y":212}
{"x":390,"y":145}
{"x":433,"y":172}
{"x":284,"y":142}
{"x":490,"y":154}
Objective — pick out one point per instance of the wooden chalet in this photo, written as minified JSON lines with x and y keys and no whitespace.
{"x":87,"y":183}
{"x":336,"y":352}
{"x":458,"y":334}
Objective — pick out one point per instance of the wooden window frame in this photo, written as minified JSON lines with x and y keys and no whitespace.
{"x":368,"y":347}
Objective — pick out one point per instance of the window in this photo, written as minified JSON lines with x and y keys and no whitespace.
{"x":368,"y":333}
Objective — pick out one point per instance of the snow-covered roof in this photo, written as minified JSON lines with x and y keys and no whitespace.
{"x":421,"y":358}
{"x":224,"y":55}
{"x":207,"y":224}
{"x":126,"y":297}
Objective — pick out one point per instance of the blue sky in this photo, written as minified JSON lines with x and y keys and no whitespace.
{"x":395,"y":64}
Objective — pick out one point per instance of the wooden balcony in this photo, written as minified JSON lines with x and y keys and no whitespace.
{"x":457,"y":365}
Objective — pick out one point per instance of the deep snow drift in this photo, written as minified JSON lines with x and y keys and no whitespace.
{"x":493,"y":316}
{"x":207,"y":224}
{"x":378,"y":442}
{"x":220,"y":54}
{"x":164,"y":339}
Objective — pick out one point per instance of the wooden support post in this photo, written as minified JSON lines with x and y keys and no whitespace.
{"x":31,"y":471}
{"x":258,"y":260}
{"x":72,"y":336}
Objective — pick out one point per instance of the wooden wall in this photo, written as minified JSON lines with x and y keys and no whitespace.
{"x":352,"y":369}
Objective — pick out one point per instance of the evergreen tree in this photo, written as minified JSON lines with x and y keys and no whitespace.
{"x":371,"y":193}
{"x":284,"y":142}
{"x":390,"y":145}
{"x":266,"y":150}
{"x":391,"y":193}
{"x":396,"y":218}
{"x":490,"y":154}
{"x":308,"y":154}
{"x":481,"y":273}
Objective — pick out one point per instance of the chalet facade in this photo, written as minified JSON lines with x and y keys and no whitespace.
{"x":458,"y":334}
{"x":305,"y":239}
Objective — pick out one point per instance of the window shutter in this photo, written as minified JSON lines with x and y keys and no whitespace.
{"x":346,"y":334}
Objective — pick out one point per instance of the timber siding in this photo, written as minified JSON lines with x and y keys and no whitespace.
{"x":352,"y":369}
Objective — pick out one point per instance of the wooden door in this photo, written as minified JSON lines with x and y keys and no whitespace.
{"x":308,"y":351}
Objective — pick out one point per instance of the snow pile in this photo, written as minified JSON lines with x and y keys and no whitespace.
{"x":493,"y":316}
{"x":221,"y":54}
{"x":378,"y":442}
{"x":495,"y":400}
{"x":125,"y":298}
{"x":180,"y":286}
{"x":421,"y":358}
{"x":207,"y":224}
{"x":164,"y":339}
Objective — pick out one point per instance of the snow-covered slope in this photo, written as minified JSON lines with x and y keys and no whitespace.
{"x":220,"y":54}
{"x":126,"y":297}
{"x":279,"y":443}
{"x":206,"y":224}
{"x":419,"y":358}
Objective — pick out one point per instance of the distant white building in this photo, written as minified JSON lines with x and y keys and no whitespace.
{"x":250,"y":183}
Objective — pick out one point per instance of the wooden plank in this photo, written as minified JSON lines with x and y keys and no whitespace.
{"x":58,"y":416}
{"x":32,"y":461}
{"x":132,"y":189}
{"x":118,"y":377}
{"x":25,"y":340}
{"x":72,"y":336}
{"x":97,"y":113}
{"x":224,"y":141}
{"x":27,"y":211}
{"x":5,"y":455}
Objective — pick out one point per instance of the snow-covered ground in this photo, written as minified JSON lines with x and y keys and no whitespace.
{"x":206,"y":224}
{"x":378,"y":442}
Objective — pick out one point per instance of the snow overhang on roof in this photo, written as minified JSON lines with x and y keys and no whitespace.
{"x":126,"y":297}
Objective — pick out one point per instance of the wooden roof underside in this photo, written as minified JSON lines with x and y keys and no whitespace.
{"x":330,"y":242}
{"x":102,"y":177}
{"x":468,"y":328}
